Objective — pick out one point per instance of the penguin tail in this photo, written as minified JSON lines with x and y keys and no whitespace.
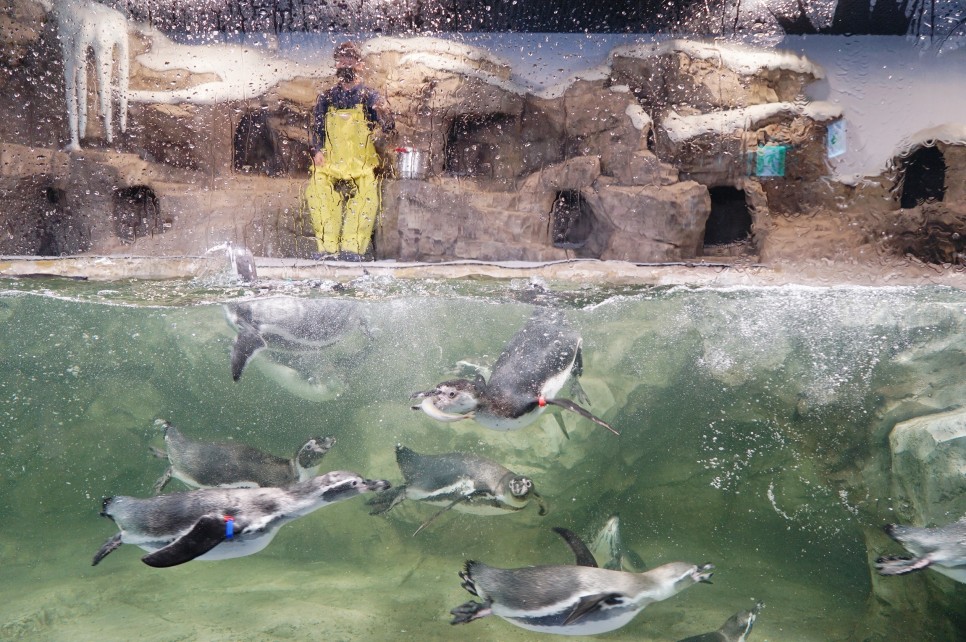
{"x":467,"y":576}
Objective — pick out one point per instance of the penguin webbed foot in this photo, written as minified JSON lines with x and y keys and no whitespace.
{"x":577,"y":392}
{"x":899,"y":565}
{"x":469,"y":611}
{"x":383,"y":501}
{"x":107,"y":548}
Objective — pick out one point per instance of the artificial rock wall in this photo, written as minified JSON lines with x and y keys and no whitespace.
{"x":582,"y":170}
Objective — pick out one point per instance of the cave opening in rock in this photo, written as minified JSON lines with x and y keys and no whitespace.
{"x":571,"y":220}
{"x":475,"y":144}
{"x":52,"y":223}
{"x":255,"y":146}
{"x":137,"y":213}
{"x":730,"y":219}
{"x":924,"y":177}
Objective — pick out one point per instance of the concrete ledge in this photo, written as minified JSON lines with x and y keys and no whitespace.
{"x":591,"y":271}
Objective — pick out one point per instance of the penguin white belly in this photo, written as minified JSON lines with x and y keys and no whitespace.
{"x":506,"y":424}
{"x":194,"y":483}
{"x":481,"y":509}
{"x":444,"y":497}
{"x":240,"y":546}
{"x":443,"y":494}
{"x":588,"y":627}
{"x":555,"y":384}
{"x":958,"y":574}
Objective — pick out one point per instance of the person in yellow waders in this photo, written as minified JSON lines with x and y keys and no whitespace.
{"x":343,"y":151}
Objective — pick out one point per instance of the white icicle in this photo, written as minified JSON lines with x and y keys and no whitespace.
{"x":84,"y":25}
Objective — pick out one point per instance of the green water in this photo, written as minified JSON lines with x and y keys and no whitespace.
{"x":749,"y":420}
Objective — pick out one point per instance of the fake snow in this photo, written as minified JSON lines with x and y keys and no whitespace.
{"x":739,"y":58}
{"x":680,"y":128}
{"x":244,"y":72}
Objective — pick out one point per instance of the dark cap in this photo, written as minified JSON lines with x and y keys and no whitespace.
{"x":347,"y":50}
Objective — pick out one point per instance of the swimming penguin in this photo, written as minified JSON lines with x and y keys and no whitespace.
{"x":204,"y":464}
{"x":942,"y":549}
{"x":530,"y":371}
{"x":570,"y":600}
{"x":609,"y":550}
{"x":289,"y":324}
{"x":220,"y":523}
{"x":463,"y":482}
{"x":736,"y":629}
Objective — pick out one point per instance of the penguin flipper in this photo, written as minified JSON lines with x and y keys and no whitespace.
{"x":384,"y":500}
{"x":207,"y":533}
{"x":247,"y":343}
{"x":472,"y":610}
{"x":109,"y":546}
{"x":567,"y":404}
{"x":442,"y":510}
{"x":581,"y":552}
{"x":163,"y":481}
{"x":591,"y":603}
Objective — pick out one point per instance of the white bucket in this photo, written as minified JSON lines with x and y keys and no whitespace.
{"x":410,"y":163}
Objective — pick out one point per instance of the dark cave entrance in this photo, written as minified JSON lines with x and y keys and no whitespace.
{"x":730,"y":219}
{"x":475,"y":144}
{"x":256,"y":147}
{"x":571,"y":221}
{"x":925,"y":177}
{"x":137,"y":213}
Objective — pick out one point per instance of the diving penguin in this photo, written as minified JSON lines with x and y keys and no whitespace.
{"x":609,"y":550}
{"x":529,"y":373}
{"x":289,"y":324}
{"x":220,"y":523}
{"x":942,"y":549}
{"x":460,"y":481}
{"x":736,"y":629}
{"x":571,"y":600}
{"x":205,"y":464}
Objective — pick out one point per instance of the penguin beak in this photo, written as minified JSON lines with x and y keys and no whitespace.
{"x":421,"y":395}
{"x":377,"y":484}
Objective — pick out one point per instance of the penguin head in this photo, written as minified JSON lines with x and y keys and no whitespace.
{"x":520,"y":486}
{"x":739,"y":625}
{"x":339,"y":485}
{"x":677,"y":576}
{"x":453,"y":397}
